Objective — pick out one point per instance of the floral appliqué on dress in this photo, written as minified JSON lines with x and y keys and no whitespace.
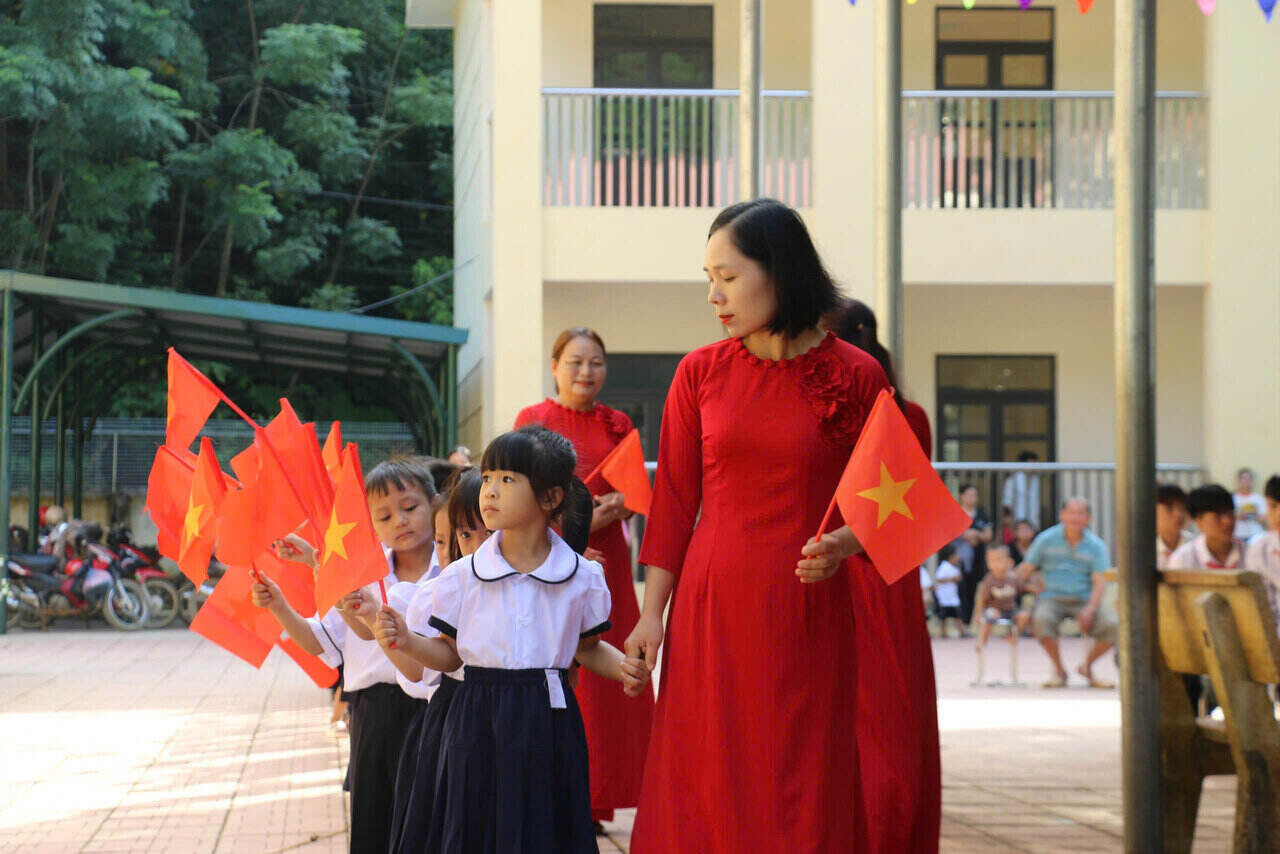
{"x":826,"y":384}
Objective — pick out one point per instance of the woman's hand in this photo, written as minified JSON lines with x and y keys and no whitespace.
{"x":822,"y":557}
{"x":389,"y":628}
{"x":635,"y":675}
{"x":645,"y":640}
{"x":295,"y":549}
{"x":609,"y":508}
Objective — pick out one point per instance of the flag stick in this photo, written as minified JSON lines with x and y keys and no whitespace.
{"x":831,"y":508}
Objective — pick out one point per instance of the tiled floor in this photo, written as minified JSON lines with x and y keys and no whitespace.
{"x":160,"y":742}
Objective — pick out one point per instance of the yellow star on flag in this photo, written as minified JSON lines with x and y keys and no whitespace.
{"x":191,"y":526}
{"x":889,"y":496}
{"x":334,"y":536}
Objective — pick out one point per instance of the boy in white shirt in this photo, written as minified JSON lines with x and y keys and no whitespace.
{"x":1263,"y":555}
{"x":1217,"y":546}
{"x":1171,"y":522}
{"x":946,"y":591}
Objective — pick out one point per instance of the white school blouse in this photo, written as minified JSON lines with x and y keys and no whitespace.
{"x":363,"y":662}
{"x":505,"y":619}
{"x":414,"y":602}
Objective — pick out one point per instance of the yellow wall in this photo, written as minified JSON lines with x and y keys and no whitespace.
{"x":567,"y":60}
{"x":1074,"y":325}
{"x":1082,"y":44}
{"x":1241,"y":321}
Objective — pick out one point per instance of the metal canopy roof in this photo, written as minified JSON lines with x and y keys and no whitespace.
{"x":226,"y":330}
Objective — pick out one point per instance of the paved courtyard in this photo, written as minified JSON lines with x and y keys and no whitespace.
{"x":161,"y":742}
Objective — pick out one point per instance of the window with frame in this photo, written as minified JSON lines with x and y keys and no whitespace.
{"x":653,"y":46}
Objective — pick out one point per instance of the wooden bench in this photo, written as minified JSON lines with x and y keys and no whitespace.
{"x":1219,"y":623}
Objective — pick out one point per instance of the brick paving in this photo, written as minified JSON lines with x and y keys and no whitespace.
{"x":161,"y":742}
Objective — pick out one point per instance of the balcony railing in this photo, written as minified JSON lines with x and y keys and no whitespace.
{"x":961,"y":149}
{"x":983,"y":149}
{"x":667,"y":147}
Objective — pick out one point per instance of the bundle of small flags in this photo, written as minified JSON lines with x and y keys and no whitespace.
{"x":284,"y":483}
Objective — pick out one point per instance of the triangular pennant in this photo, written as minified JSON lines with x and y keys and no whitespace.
{"x":1268,"y":7}
{"x":1207,"y":6}
{"x":1084,"y":6}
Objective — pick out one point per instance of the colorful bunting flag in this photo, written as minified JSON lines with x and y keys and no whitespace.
{"x":1084,"y":6}
{"x":1268,"y":7}
{"x":351,"y":555}
{"x":1207,"y":6}
{"x":192,"y":398}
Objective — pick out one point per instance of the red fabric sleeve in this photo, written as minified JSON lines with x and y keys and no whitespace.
{"x":919,"y":421}
{"x":677,"y":489}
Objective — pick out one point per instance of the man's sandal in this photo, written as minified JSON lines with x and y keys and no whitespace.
{"x":1095,"y":683}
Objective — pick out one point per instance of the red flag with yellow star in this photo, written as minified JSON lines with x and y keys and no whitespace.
{"x":192,"y":398}
{"x":892,"y":499}
{"x":350,"y":554}
{"x":200,"y":521}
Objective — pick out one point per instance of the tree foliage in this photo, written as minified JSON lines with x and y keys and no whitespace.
{"x":292,"y":151}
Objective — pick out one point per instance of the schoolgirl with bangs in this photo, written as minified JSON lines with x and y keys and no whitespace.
{"x":515,"y":614}
{"x":458,"y":519}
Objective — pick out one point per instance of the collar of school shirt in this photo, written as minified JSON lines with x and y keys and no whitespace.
{"x":488,"y":564}
{"x":1234,"y":558}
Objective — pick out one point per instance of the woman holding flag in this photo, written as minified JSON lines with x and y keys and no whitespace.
{"x":754,"y":742}
{"x":617,"y":726}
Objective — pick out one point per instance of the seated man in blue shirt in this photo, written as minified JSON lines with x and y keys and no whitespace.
{"x":1071,"y":559}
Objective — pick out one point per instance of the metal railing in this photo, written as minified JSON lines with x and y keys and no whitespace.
{"x":1094,"y":482}
{"x":118,"y":456}
{"x":1042,"y":149}
{"x":667,"y":147}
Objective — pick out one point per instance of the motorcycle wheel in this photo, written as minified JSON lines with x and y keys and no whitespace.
{"x":126,"y":605}
{"x":188,"y":601}
{"x":162,"y":602}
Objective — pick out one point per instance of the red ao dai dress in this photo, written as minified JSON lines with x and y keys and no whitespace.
{"x":754,"y":743}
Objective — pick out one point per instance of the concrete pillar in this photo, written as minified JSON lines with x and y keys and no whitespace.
{"x":1242,"y":306}
{"x":842,"y":222}
{"x":516,"y":308}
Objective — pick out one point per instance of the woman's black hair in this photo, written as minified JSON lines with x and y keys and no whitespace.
{"x":548,"y":460}
{"x":854,"y":321}
{"x":774,"y":236}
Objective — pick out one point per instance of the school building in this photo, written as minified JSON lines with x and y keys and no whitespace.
{"x":596,"y":140}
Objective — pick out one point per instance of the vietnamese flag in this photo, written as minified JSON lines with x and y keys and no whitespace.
{"x":230,"y":619}
{"x":332,"y":451}
{"x":322,"y":674}
{"x":200,"y":519}
{"x":350,"y":555}
{"x":290,"y":443}
{"x":623,"y":469}
{"x":192,"y":398}
{"x":297,"y":581}
{"x":168,"y":486}
{"x":269,"y":509}
{"x":891,"y":497}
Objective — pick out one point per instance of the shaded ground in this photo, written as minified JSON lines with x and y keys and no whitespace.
{"x":161,"y":742}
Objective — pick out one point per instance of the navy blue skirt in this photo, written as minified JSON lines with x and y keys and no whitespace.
{"x":416,"y":777}
{"x":512,"y":776}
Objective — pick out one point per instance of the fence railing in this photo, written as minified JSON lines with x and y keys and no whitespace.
{"x":118,"y":456}
{"x":1042,"y":149}
{"x":1055,"y":482}
{"x":667,"y":147}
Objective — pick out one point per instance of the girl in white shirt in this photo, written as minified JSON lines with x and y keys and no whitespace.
{"x":400,"y":493}
{"x":512,"y":773}
{"x":458,"y":518}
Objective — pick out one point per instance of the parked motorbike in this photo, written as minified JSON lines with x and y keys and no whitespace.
{"x":163,"y":597}
{"x":44,"y":587}
{"x":192,"y":597}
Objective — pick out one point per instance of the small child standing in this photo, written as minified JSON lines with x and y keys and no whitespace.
{"x":946,"y":591}
{"x":459,"y":516}
{"x":998,"y":597}
{"x":513,"y":772}
{"x":400,"y":493}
